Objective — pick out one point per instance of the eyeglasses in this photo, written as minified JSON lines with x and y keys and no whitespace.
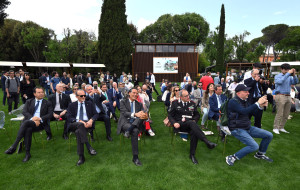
{"x":177,"y":90}
{"x":81,"y":96}
{"x":75,"y":89}
{"x":186,"y":96}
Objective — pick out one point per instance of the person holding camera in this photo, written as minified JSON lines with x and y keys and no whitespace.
{"x":254,"y":94}
{"x":283,"y":82}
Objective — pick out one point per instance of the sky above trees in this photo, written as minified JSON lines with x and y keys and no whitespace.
{"x":77,"y":14}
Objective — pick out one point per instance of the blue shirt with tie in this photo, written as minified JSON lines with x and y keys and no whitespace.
{"x":37,"y":112}
{"x":85,"y":117}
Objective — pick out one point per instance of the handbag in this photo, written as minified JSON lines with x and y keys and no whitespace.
{"x":167,"y":122}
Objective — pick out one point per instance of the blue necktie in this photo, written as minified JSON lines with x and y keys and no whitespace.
{"x":131,"y":107}
{"x":201,"y":93}
{"x":36,"y":107}
{"x":81,"y":112}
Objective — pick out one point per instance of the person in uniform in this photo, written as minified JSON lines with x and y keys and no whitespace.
{"x":184,"y":116}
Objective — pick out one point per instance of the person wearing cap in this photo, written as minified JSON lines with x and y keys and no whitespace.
{"x":283,"y":82}
{"x":240,"y":127}
{"x":248,"y":73}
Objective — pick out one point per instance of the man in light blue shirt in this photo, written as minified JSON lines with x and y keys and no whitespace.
{"x":217,"y":79}
{"x":283,"y":82}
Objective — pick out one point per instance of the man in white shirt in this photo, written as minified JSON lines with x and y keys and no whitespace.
{"x":152,"y":81}
{"x":248,"y":73}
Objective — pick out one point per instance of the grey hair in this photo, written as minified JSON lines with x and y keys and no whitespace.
{"x":217,"y":86}
{"x":254,"y":70}
{"x":181,"y":92}
{"x":78,"y":91}
{"x":88,"y":85}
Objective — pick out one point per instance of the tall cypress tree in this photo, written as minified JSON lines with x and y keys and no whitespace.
{"x":114,"y":45}
{"x":220,"y":44}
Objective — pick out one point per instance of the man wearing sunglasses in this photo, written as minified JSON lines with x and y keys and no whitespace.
{"x":81,"y":116}
{"x":184,"y":116}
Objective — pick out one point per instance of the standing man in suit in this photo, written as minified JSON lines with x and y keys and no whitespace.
{"x":60,"y":103}
{"x":131,"y":120}
{"x":107,"y":77}
{"x":254,"y":94}
{"x":46,"y":83}
{"x":184,"y":116}
{"x":37,"y":113}
{"x":215,"y":102}
{"x":89,"y":79}
{"x":81,"y":120}
{"x":97,"y":98}
{"x":114,"y":97}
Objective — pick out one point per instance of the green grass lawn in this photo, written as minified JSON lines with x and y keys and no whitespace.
{"x":164,"y":167}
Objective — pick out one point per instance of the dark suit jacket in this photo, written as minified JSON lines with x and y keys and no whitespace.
{"x":46,"y":112}
{"x":112,"y":98}
{"x":66,"y":100}
{"x":97,"y":100}
{"x":125,"y":114}
{"x":3,"y":79}
{"x":87,"y":80}
{"x":252,"y":83}
{"x":90,"y":111}
{"x":105,"y":78}
{"x":213,"y":109}
{"x":188,"y":87}
{"x":44,"y":81}
{"x":136,"y":81}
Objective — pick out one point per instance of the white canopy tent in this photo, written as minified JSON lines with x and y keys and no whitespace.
{"x":43,"y":64}
{"x":11,"y":64}
{"x":278,"y":64}
{"x":88,"y":65}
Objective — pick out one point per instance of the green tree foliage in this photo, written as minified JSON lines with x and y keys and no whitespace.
{"x":220,"y":43}
{"x":211,"y":48}
{"x":186,"y":28}
{"x":242,"y":46}
{"x":202,"y":62}
{"x":114,"y":45}
{"x":272,"y":34}
{"x":3,"y":15}
{"x":290,"y":45}
{"x":253,"y":56}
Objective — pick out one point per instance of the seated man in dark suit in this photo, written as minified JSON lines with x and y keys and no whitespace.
{"x":81,"y":119}
{"x":114,"y":97}
{"x":184,"y":116}
{"x":97,"y":98}
{"x":108,"y":104}
{"x":215,"y":102}
{"x":60,"y":103}
{"x":89,"y":79}
{"x":131,"y":120}
{"x":37,"y":113}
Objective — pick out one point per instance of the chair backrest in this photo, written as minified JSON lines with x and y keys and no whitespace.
{"x":2,"y":119}
{"x":18,"y":112}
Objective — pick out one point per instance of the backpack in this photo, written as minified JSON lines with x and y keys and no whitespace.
{"x":8,"y":82}
{"x":224,"y":112}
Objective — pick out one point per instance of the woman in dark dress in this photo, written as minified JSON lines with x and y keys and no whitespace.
{"x":26,"y":87}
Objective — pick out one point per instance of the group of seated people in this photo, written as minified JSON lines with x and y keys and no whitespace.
{"x":80,"y":110}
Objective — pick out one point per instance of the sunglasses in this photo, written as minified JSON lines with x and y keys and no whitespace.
{"x":82,"y":96}
{"x":177,"y":90}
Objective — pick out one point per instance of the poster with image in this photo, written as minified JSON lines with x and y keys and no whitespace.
{"x":165,"y":64}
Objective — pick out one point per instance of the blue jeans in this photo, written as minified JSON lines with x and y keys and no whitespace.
{"x":205,"y":116}
{"x":245,"y":136}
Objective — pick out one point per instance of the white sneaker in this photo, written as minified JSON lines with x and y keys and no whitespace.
{"x":290,"y":117}
{"x":139,"y":138}
{"x":153,"y":99}
{"x":276,"y":131}
{"x":283,"y":130}
{"x":9,"y":113}
{"x":151,"y":133}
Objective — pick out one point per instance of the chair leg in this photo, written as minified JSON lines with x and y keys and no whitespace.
{"x":70,"y":141}
{"x":43,"y":145}
{"x":224,"y":149}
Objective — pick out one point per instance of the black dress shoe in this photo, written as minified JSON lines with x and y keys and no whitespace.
{"x":11,"y":150}
{"x":108,"y":137}
{"x":27,"y":157}
{"x":211,"y":145}
{"x":116,"y":119}
{"x":92,"y":139}
{"x":194,"y":160}
{"x":65,"y":136}
{"x":137,"y":162}
{"x":81,"y":160}
{"x":49,"y":137}
{"x":127,"y":134}
{"x":92,"y":151}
